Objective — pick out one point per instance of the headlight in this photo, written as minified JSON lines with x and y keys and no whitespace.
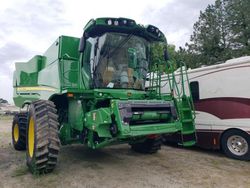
{"x":131,"y":23}
{"x":154,"y":30}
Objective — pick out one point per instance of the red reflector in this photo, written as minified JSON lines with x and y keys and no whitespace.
{"x":70,"y":95}
{"x":214,"y":141}
{"x":153,"y":136}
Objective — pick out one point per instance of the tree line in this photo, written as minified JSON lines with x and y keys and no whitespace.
{"x":222,"y":32}
{"x":3,"y":101}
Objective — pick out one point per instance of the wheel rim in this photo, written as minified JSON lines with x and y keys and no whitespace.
{"x":237,"y":145}
{"x":31,"y":137}
{"x":16,"y":132}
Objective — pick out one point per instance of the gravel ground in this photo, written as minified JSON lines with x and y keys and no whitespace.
{"x":118,"y":166}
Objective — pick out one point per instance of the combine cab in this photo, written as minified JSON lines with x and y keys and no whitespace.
{"x":99,"y":90}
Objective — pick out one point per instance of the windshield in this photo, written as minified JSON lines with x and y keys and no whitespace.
{"x":119,"y":61}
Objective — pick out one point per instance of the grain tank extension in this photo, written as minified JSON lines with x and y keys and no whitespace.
{"x":101,"y":89}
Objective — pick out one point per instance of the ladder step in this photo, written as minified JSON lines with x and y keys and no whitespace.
{"x":186,"y":109}
{"x":185,"y":105}
{"x":188,"y":132}
{"x":189,"y":143}
{"x":187,"y":120}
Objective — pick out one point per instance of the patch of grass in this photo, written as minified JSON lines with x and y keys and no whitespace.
{"x":20,"y":171}
{"x":6,"y":117}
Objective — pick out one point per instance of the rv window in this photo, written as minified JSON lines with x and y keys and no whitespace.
{"x":194,"y":87}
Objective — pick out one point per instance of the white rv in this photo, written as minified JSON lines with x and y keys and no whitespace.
{"x":221,"y":95}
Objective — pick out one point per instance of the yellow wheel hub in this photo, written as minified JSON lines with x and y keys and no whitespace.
{"x":31,"y":137}
{"x":16,"y":132}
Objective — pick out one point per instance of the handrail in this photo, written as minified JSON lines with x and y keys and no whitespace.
{"x":177,"y":89}
{"x":189,"y":89}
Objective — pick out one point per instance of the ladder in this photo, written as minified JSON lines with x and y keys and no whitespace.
{"x":182,"y":97}
{"x":185,"y":106}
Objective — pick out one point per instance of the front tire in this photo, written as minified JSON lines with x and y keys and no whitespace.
{"x":19,"y":126}
{"x":43,"y":142}
{"x":149,"y":146}
{"x":236,"y":144}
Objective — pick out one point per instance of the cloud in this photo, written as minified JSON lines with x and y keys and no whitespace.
{"x":176,"y":18}
{"x":6,"y":84}
{"x":34,"y":15}
{"x":10,"y":53}
{"x":26,"y":29}
{"x":32,"y":24}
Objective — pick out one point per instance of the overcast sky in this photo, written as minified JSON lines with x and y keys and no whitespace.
{"x":29,"y":27}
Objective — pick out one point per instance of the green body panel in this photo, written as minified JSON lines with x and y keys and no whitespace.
{"x":26,"y":73}
{"x":43,"y":76}
{"x":101,"y":116}
{"x":99,"y":121}
{"x":75,"y":114}
{"x":65,"y":134}
{"x":64,"y":47}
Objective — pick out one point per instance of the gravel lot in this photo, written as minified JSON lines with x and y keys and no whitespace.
{"x":118,"y":166}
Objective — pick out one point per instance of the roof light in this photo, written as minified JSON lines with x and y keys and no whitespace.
{"x":131,"y":23}
{"x":154,"y":30}
{"x":116,"y":22}
{"x":109,"y":22}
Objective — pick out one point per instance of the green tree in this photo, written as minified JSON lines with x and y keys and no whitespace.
{"x":157,"y":51}
{"x":221,"y":33}
{"x":191,"y":59}
{"x":157,"y":54}
{"x":3,"y":101}
{"x":239,"y":23}
{"x":209,"y":42}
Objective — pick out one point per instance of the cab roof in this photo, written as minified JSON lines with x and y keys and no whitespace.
{"x":99,"y":26}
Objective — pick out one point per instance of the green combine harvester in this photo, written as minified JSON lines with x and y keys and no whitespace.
{"x":99,"y":90}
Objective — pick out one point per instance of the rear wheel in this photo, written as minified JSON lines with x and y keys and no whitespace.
{"x":42,"y":137}
{"x":19,"y":126}
{"x":236,"y":144}
{"x":150,"y":145}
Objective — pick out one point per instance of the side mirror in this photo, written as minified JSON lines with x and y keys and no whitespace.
{"x":82,"y":44}
{"x":96,"y":46}
{"x":166,"y":56}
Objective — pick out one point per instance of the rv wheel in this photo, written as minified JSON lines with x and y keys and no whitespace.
{"x":236,"y":144}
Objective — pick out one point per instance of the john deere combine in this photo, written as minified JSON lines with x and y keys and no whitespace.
{"x":99,"y":90}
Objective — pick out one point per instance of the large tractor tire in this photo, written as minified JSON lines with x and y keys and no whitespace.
{"x":19,"y":126}
{"x":236,"y":144}
{"x":149,"y":146}
{"x":43,"y":142}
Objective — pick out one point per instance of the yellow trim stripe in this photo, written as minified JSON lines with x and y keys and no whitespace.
{"x":42,"y":88}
